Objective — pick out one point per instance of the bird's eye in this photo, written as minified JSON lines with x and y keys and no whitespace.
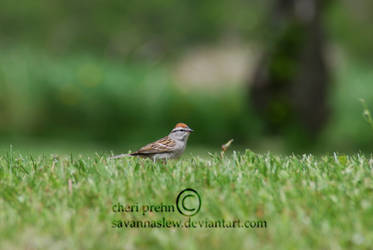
{"x":180,"y":130}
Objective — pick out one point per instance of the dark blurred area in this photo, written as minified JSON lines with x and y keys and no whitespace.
{"x":284,"y":76}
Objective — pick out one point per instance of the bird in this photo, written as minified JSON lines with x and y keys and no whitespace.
{"x":168,"y":147}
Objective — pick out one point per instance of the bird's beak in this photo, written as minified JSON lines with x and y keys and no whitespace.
{"x":190,"y":130}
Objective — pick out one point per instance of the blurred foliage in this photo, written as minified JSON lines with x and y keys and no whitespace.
{"x":84,"y":97}
{"x":78,"y":77}
{"x":348,"y":22}
{"x":129,"y":28}
{"x":160,"y":28}
{"x":347,"y":129}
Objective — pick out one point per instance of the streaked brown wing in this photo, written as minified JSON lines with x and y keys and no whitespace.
{"x":163,"y":145}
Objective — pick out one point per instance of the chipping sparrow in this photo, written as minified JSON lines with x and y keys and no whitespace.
{"x":169,"y":147}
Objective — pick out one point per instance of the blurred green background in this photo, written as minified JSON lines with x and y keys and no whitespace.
{"x":113,"y":75}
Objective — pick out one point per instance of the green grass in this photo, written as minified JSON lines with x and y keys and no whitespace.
{"x":65,"y":201}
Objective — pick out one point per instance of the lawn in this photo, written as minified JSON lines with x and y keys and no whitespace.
{"x":67,"y":202}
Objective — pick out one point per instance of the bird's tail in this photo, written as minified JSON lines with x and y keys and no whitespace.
{"x":120,"y":156}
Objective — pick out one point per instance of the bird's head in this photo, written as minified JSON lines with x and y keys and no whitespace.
{"x":181,"y":132}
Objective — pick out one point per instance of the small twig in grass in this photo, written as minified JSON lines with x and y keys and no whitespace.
{"x":225,"y":147}
{"x":53,"y":165}
{"x":70,"y":184}
{"x":366,"y":113}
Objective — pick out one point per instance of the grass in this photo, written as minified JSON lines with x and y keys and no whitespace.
{"x":308,"y":202}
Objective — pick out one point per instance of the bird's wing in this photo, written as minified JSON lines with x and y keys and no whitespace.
{"x":163,"y":145}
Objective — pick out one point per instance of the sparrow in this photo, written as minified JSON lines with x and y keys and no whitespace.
{"x":169,"y":147}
